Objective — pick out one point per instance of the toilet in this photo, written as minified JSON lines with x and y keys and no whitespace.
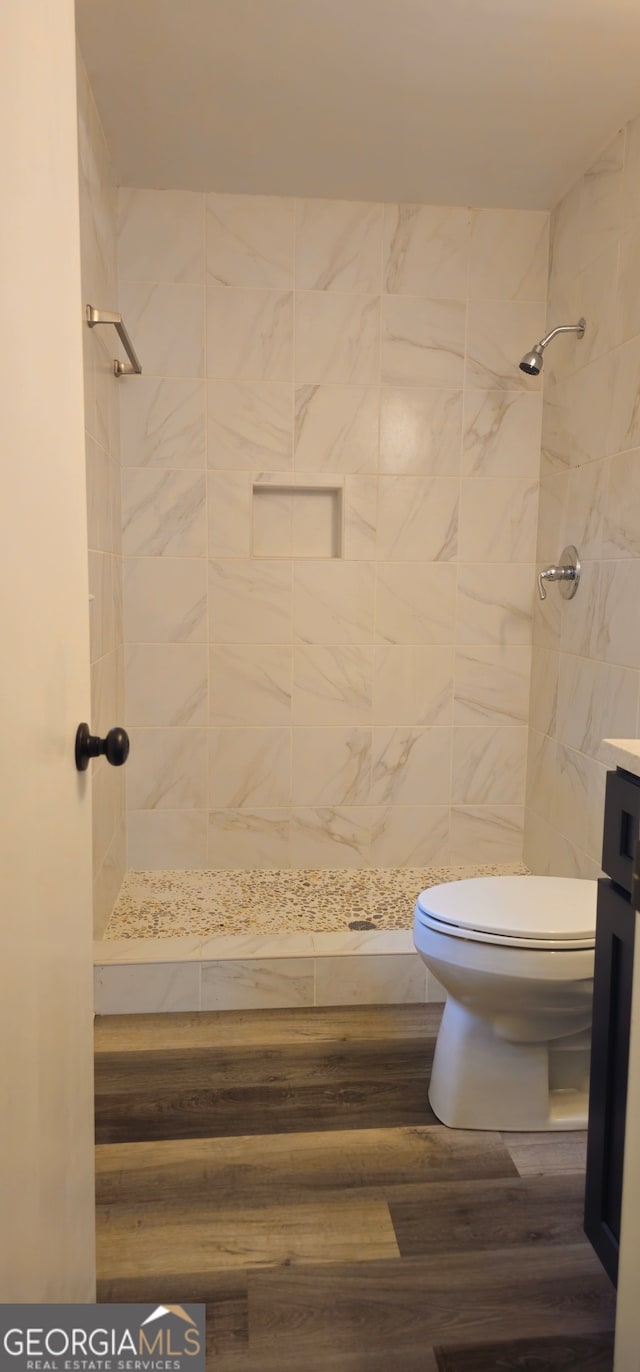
{"x":515,"y":955}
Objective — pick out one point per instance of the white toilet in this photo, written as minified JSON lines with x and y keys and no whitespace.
{"x":515,"y":956}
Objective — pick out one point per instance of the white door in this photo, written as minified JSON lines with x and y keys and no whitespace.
{"x":46,"y":1154}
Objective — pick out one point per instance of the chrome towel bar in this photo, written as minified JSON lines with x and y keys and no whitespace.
{"x":130,"y":368}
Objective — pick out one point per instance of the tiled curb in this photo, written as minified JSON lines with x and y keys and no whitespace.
{"x":255,"y":972}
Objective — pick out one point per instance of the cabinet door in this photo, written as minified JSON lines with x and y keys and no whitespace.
{"x":621,"y":827}
{"x":613,"y":981}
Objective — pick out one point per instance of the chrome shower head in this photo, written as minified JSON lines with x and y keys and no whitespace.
{"x":532,"y":362}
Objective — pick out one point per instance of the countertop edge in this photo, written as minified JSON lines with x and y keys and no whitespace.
{"x":622,"y":752}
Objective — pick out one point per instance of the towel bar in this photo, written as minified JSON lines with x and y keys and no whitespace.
{"x":130,"y":368}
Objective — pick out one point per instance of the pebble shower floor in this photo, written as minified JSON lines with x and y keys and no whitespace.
{"x":169,"y":904}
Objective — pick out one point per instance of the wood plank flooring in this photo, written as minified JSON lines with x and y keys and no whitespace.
{"x":284,"y":1167}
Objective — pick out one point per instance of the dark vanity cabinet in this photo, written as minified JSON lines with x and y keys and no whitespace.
{"x":613,"y":982}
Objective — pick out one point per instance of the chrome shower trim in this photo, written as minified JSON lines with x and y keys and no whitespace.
{"x":533,"y":361}
{"x":568,"y":572}
{"x":578,"y":328}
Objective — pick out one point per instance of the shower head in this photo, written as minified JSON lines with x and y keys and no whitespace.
{"x":532,"y":362}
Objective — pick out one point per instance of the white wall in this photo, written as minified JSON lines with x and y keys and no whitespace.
{"x":46,"y":1060}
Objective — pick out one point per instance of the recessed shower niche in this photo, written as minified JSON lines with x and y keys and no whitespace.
{"x":292,"y":519}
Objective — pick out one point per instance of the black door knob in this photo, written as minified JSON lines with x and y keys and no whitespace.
{"x":115,"y":747}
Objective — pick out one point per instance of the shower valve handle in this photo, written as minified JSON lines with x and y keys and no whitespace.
{"x":568,"y":572}
{"x":115,"y":747}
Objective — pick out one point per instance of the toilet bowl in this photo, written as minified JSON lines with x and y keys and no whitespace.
{"x":515,"y":956}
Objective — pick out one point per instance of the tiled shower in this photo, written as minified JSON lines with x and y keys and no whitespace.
{"x":331,"y":474}
{"x":316,"y":674}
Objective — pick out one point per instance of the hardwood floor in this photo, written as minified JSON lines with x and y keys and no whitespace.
{"x":284,"y":1167}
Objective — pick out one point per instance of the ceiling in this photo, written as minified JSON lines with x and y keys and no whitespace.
{"x":492,"y":102}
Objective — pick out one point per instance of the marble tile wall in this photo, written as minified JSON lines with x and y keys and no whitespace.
{"x":288,"y":707}
{"x":586,"y":655}
{"x":98,"y":233}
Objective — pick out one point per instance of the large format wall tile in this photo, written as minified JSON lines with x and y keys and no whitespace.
{"x":163,"y":422}
{"x":250,"y":602}
{"x":248,"y":838}
{"x":603,"y":201}
{"x":360,"y":517}
{"x":489,"y":765}
{"x":621,"y":523}
{"x":306,"y":469}
{"x":337,"y":338}
{"x":148,"y":989}
{"x":332,"y":685}
{"x":249,"y":768}
{"x":165,"y":600}
{"x":497,"y":520}
{"x":107,"y":691}
{"x":499,"y":332}
{"x":163,"y":513}
{"x":166,"y":684}
{"x":578,"y":798}
{"x":331,"y":766}
{"x":492,"y":685}
{"x":495,"y":603}
{"x":486,"y":833}
{"x":250,"y":684}
{"x":255,"y":985}
{"x":391,"y":980}
{"x":413,"y":685}
{"x":426,"y":250}
{"x":501,"y":434}
{"x":160,"y":236}
{"x":333,"y":602}
{"x":411,"y":766}
{"x":418,"y":519}
{"x":229,"y":507}
{"x":543,"y":707}
{"x":415,"y":602}
{"x":167,"y":769}
{"x":160,"y":839}
{"x":616,"y":607}
{"x":585,"y":508}
{"x":338,"y":245}
{"x":105,"y":611}
{"x":410,"y":836}
{"x":249,"y":241}
{"x":336,"y":428}
{"x":599,"y":305}
{"x":423,"y":342}
{"x":420,"y":431}
{"x":166,"y":322}
{"x":249,"y":425}
{"x":623,"y":412}
{"x":249,"y":334}
{"x":595,"y":700}
{"x":509,"y":255}
{"x":99,"y":496}
{"x":331,"y":837}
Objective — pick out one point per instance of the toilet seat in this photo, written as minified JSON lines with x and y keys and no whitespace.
{"x":549,"y":913}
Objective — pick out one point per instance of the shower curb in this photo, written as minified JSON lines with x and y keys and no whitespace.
{"x":257,"y":972}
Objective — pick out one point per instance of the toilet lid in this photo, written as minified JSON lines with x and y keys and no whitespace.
{"x":542,"y":909}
